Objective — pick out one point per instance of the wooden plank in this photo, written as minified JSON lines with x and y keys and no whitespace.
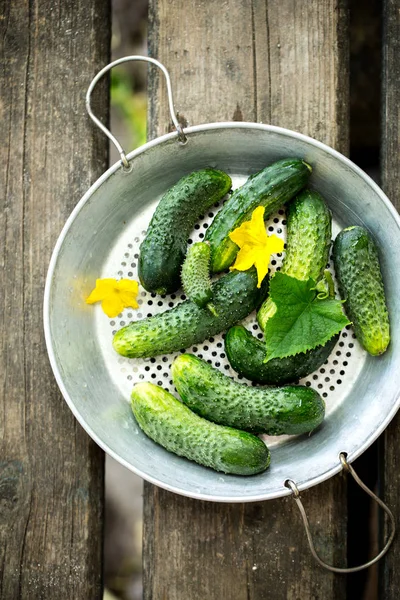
{"x":390,"y":459}
{"x":51,"y":473}
{"x":285,"y":63}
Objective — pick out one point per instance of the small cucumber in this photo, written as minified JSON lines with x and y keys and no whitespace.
{"x":214,"y":396}
{"x":360,"y":284}
{"x":272,"y":187}
{"x":235,"y":296}
{"x":195,"y":275}
{"x":172,"y":425}
{"x":309,"y":231}
{"x":246,"y":355}
{"x":163,"y":250}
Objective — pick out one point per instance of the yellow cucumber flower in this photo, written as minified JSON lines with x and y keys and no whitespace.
{"x":114,"y":295}
{"x":255,"y":245}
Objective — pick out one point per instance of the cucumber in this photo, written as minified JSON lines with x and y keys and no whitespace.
{"x":163,"y":250}
{"x":246,"y":355}
{"x":195,"y":275}
{"x":172,"y":425}
{"x":309,"y":232}
{"x":235,"y":295}
{"x":271,"y":187}
{"x":214,"y":396}
{"x":360,"y":284}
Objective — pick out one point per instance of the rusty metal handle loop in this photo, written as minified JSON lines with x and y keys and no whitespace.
{"x":181,"y":135}
{"x":346,"y":467}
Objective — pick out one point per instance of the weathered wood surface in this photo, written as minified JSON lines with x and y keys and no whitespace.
{"x":286,"y":63}
{"x":390,"y":156}
{"x":51,"y":473}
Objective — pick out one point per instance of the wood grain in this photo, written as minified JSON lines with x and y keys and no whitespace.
{"x":51,"y":473}
{"x":285,"y":63}
{"x":277,"y":62}
{"x":390,"y":457}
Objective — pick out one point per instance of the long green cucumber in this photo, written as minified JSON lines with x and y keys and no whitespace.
{"x":235,"y":295}
{"x":195,"y":275}
{"x":272,"y":187}
{"x":246,"y":355}
{"x":309,"y":232}
{"x":172,"y":425}
{"x":214,"y":396}
{"x":163,"y":250}
{"x":361,"y":286}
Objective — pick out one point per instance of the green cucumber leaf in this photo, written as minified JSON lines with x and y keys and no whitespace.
{"x":303,"y":320}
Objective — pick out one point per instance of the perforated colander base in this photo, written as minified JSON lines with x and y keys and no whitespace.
{"x":332,"y":380}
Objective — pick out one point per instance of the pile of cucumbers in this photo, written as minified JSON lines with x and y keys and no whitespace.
{"x":217,"y":420}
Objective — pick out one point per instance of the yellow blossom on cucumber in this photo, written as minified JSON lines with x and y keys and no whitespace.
{"x":114,"y":295}
{"x":255,"y":245}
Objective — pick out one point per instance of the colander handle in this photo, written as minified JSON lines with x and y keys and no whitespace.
{"x":346,"y":467}
{"x":181,"y":135}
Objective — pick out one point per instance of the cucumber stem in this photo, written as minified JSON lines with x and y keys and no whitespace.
{"x":326,"y":287}
{"x":211,"y":308}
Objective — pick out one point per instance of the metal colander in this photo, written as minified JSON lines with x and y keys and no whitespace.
{"x":102,"y":238}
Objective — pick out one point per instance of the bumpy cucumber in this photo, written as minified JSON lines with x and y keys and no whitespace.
{"x":246,"y":355}
{"x":235,"y":295}
{"x":172,"y":425}
{"x":214,"y":396}
{"x":163,"y":250}
{"x":361,"y":286}
{"x":195,"y":275}
{"x":272,"y":187}
{"x":309,"y":231}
